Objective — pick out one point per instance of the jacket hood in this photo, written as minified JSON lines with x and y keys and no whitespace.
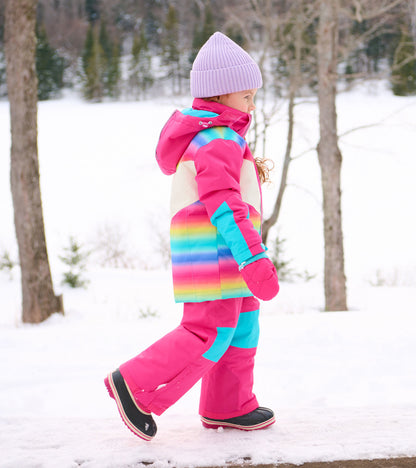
{"x":182,"y":127}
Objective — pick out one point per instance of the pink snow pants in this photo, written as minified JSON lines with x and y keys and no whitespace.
{"x":216,"y":340}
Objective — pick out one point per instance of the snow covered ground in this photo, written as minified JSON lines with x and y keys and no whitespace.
{"x":343,"y":385}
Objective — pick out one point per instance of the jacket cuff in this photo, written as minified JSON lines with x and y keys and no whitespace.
{"x":252,"y":259}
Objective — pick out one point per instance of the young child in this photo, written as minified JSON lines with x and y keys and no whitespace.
{"x":218,"y":260}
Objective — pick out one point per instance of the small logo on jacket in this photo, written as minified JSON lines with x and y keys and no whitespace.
{"x":205,"y":124}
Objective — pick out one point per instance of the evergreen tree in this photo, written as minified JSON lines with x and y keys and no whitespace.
{"x":113,"y":73}
{"x":75,"y":259}
{"x":93,"y":66}
{"x":100,"y":64}
{"x":208,"y":28}
{"x":105,"y":41}
{"x":111,"y":62}
{"x":170,"y":49}
{"x":140,"y":73}
{"x":49,"y":67}
{"x":375,"y":51}
{"x":404,"y":67}
{"x":201,"y":35}
{"x":379,"y":45}
{"x":236,"y":35}
{"x":152,"y":22}
{"x":88,"y":48}
{"x":92,"y":10}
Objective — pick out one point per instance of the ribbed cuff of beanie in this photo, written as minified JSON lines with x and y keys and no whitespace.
{"x":210,"y":83}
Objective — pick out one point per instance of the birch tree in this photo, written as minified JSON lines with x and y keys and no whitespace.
{"x":38,"y":297}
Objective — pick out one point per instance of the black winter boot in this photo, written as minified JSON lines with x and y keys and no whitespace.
{"x":137,"y":420}
{"x":260,"y":418}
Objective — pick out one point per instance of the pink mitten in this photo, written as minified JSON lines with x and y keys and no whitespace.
{"x":261,"y":278}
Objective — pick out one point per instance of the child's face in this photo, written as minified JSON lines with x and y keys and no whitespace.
{"x":242,"y":100}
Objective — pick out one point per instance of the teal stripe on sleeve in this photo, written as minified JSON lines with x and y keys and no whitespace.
{"x":253,"y":259}
{"x":223,"y":220}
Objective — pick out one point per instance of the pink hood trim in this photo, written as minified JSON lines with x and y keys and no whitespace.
{"x":180,"y":129}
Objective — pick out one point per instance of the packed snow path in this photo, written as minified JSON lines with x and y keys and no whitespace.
{"x":343,"y":385}
{"x":299,"y":436}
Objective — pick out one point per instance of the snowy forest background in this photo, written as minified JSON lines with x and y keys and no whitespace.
{"x":144,"y":48}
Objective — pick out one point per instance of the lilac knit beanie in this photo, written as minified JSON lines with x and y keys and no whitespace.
{"x":223,"y":67}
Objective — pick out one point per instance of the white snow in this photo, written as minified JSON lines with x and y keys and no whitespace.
{"x":343,"y":384}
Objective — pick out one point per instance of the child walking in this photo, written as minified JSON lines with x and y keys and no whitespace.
{"x":219,"y":263}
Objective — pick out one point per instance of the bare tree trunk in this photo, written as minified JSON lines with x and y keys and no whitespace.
{"x":269,"y":222}
{"x":329,"y":156}
{"x":39,"y":300}
{"x":294,"y":77}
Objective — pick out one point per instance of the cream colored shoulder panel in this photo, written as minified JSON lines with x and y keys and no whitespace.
{"x":250,"y":192}
{"x":185,"y":191}
{"x":184,"y":188}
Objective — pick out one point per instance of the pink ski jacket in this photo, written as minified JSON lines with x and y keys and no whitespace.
{"x":216,"y":201}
